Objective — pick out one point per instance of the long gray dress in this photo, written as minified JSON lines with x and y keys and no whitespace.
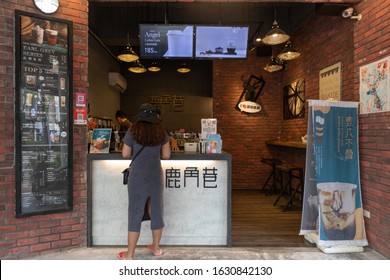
{"x":145,"y":181}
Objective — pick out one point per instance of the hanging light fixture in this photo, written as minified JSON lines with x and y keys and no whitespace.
{"x":276,"y":35}
{"x":274,"y":65}
{"x":128,"y":55}
{"x":183,"y":68}
{"x":289,"y":53}
{"x":137,"y":68}
{"x":154,"y":67}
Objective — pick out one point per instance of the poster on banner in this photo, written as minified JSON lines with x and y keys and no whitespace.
{"x":336,"y":159}
{"x":375,"y":87}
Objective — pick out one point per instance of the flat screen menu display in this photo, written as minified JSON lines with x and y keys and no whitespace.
{"x":221,"y":42}
{"x":166,"y":41}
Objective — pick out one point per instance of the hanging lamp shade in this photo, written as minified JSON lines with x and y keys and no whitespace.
{"x":275,"y":36}
{"x":137,"y":68}
{"x":183,"y":68}
{"x":289,"y":53}
{"x":128,"y":55}
{"x":154,"y":67}
{"x":273,"y":65}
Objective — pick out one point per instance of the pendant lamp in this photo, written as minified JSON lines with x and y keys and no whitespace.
{"x":137,"y":68}
{"x":128,"y":55}
{"x":276,"y":35}
{"x":289,"y":53}
{"x":273,"y":65}
{"x":154,"y":67}
{"x":183,"y":68}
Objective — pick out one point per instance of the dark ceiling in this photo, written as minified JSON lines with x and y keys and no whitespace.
{"x":112,"y":22}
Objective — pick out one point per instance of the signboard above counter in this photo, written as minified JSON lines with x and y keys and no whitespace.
{"x":191,"y":41}
{"x":166,"y":41}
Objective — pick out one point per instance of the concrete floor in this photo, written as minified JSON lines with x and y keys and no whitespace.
{"x":214,"y":253}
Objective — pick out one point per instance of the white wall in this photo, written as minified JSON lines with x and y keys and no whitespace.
{"x":104,"y":101}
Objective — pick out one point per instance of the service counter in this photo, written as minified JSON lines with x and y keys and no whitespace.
{"x":197,"y":200}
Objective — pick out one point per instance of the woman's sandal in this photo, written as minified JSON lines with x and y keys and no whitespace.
{"x":121,"y":255}
{"x":156,"y":253}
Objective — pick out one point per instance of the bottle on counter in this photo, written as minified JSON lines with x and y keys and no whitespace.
{"x":117,"y":140}
{"x":202,"y":146}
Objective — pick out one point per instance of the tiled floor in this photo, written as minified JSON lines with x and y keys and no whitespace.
{"x":215,"y":253}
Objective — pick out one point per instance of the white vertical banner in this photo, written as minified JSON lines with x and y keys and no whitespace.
{"x":334,"y":152}
{"x":309,"y":222}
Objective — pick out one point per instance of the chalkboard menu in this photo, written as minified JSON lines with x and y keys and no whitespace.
{"x":44,"y":103}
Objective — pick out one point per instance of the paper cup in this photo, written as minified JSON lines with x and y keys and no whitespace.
{"x":337,"y":210}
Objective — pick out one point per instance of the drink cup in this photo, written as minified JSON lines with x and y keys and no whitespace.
{"x":29,"y":97}
{"x":51,"y":36}
{"x":63,"y":101}
{"x":337,"y":210}
{"x":179,"y":43}
{"x":55,"y":68}
{"x":56,"y":101}
{"x":62,"y":83}
{"x":37,"y":34}
{"x":31,"y":81}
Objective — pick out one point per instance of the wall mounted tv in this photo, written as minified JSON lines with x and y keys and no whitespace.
{"x":221,"y":41}
{"x":166,"y":41}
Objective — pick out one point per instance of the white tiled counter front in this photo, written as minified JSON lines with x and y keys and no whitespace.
{"x":197,"y":200}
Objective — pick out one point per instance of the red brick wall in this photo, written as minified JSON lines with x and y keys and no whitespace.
{"x":323,"y":41}
{"x":243,"y":134}
{"x":372,"y":42}
{"x":26,"y":237}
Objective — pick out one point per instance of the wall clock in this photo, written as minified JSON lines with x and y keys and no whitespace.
{"x":294,"y":100}
{"x":47,"y":6}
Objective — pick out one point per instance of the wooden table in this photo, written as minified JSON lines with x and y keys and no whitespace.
{"x":287,"y":143}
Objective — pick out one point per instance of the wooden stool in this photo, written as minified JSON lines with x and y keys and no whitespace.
{"x":291,"y":172}
{"x":272,"y":162}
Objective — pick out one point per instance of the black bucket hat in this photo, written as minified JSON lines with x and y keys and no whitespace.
{"x":147,"y":113}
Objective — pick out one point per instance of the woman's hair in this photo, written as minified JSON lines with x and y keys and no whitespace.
{"x":148,"y":134}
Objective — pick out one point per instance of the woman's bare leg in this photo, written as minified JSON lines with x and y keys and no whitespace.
{"x":132,"y":239}
{"x":156,"y":235}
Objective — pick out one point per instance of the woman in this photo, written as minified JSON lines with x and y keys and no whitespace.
{"x":145,"y":184}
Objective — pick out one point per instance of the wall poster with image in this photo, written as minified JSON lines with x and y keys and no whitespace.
{"x":375,"y":87}
{"x":330,"y":83}
{"x":44,"y":115}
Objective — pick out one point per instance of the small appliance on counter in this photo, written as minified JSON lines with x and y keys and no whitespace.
{"x":190,"y":147}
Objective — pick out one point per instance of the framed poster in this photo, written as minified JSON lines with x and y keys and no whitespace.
{"x":43,"y":114}
{"x":330,"y":83}
{"x":375,"y":87}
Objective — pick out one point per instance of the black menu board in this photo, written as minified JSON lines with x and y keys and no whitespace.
{"x":43,"y":114}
